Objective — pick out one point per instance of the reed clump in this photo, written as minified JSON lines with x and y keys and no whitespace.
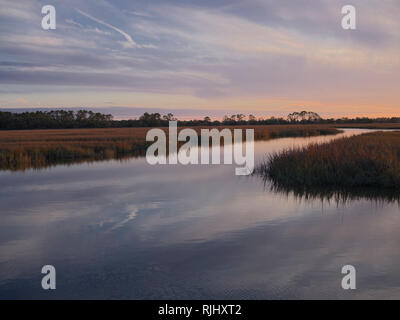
{"x":367,"y":160}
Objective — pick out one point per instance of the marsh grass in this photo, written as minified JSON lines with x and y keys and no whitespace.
{"x":339,"y":196}
{"x":25,"y":149}
{"x":370,"y":160}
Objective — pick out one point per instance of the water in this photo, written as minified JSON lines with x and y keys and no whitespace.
{"x":130,"y":230}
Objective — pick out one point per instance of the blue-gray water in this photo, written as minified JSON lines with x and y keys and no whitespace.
{"x":130,"y":230}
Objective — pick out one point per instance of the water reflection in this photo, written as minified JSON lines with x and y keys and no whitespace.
{"x":131,"y":230}
{"x":340,"y":196}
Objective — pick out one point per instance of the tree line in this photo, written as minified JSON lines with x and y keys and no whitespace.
{"x":62,"y":119}
{"x":54,"y":119}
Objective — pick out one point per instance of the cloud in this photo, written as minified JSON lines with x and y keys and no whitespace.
{"x":19,"y":10}
{"x":85,"y":29}
{"x":130,"y":43}
{"x":237,"y":37}
{"x":139,"y":14}
{"x":77,"y":24}
{"x":255,"y":54}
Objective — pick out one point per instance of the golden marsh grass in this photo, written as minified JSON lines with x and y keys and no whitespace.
{"x":23,"y":149}
{"x":367,"y":160}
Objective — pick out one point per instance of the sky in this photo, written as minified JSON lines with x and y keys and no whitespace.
{"x":255,"y":56}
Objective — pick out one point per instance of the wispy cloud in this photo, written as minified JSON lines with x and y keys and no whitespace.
{"x":19,"y":10}
{"x":140,"y":14}
{"x":130,"y":43}
{"x":85,"y":29}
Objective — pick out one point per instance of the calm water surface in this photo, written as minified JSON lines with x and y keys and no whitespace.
{"x":130,"y":230}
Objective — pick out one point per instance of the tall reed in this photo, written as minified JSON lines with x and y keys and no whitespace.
{"x":368,"y":160}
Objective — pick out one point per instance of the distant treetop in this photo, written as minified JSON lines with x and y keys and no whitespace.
{"x":304,"y":116}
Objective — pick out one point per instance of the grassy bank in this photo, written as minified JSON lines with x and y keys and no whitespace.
{"x":25,"y":149}
{"x":368,"y":160}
